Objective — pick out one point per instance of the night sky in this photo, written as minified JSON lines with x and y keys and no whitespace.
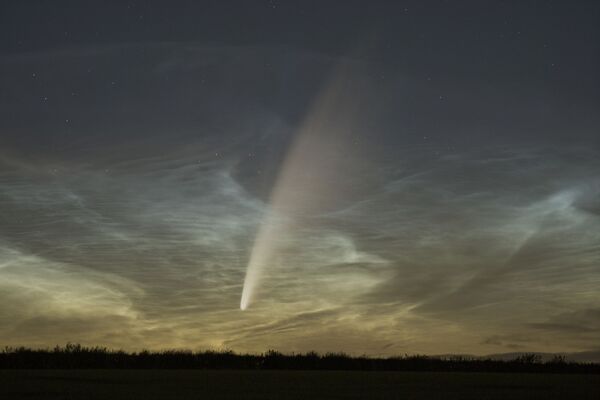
{"x":377,"y":177}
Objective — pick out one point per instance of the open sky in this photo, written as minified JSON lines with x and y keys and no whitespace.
{"x":380,"y":177}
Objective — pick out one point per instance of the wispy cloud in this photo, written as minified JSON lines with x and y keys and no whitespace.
{"x":418,"y":248}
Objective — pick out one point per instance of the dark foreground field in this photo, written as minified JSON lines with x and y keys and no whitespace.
{"x":253,"y":384}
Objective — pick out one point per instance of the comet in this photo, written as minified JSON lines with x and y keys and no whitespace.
{"x":315,"y":171}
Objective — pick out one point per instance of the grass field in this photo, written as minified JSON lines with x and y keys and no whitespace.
{"x":206,"y":384}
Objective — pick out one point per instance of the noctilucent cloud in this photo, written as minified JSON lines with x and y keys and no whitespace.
{"x":370,"y":177}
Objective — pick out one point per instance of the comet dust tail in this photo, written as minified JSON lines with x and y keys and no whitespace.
{"x":314,"y":174}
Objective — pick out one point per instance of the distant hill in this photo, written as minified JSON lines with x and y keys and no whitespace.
{"x":592,"y":356}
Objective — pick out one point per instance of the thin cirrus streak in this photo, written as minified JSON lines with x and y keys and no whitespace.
{"x":315,"y":172}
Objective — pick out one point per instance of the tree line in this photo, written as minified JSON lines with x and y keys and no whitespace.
{"x":75,"y":356}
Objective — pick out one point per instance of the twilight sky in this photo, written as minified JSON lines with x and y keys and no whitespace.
{"x":387,"y":177}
